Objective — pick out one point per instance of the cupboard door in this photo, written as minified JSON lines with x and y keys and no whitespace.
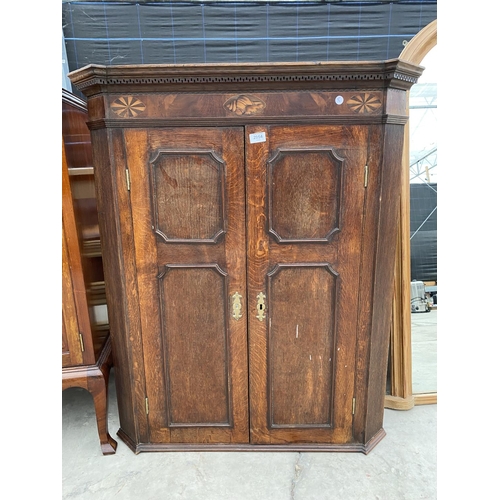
{"x":187,"y":201}
{"x":305,"y":195}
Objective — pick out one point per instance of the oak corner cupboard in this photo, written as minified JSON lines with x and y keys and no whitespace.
{"x":248,"y":216}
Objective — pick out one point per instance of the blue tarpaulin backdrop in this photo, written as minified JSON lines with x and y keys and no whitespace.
{"x":176,"y":32}
{"x":195,"y":32}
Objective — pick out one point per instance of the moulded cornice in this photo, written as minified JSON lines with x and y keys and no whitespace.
{"x":94,"y":79}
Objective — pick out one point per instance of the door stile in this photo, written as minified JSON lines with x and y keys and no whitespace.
{"x":234,"y":145}
{"x":137,"y":155}
{"x":119,"y":260}
{"x":257,"y":265}
{"x":370,"y":220}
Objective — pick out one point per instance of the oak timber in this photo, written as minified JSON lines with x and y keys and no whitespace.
{"x":249,"y":179}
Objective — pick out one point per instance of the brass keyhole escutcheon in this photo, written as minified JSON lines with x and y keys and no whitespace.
{"x":261,"y":306}
{"x":236,"y":300}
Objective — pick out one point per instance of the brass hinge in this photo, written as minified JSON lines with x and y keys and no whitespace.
{"x":81,"y":343}
{"x":147,"y":406}
{"x":353,"y":405}
{"x":366,"y":175}
{"x":127,"y":175}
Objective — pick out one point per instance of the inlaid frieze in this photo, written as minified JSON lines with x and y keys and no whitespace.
{"x":364,"y":103}
{"x":127,"y":106}
{"x":244,"y":105}
{"x":267,"y":106}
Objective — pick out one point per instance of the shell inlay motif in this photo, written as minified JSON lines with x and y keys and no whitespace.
{"x":244,"y":105}
{"x":364,"y":103}
{"x":128,"y":106}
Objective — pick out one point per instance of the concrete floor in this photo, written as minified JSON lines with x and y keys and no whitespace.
{"x":401,"y":467}
{"x":424,"y":351}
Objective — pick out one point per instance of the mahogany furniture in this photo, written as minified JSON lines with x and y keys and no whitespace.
{"x":248,"y":218}
{"x":86,"y":344}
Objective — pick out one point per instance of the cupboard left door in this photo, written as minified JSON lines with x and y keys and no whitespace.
{"x":187,"y":200}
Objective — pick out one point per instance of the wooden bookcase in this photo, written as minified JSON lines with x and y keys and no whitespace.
{"x":86,"y":343}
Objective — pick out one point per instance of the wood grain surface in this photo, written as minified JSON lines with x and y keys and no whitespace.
{"x":273,"y":187}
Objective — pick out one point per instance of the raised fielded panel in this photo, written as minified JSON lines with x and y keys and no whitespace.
{"x":194,"y":331}
{"x":312,"y":179}
{"x":188,"y":198}
{"x":300,"y":387}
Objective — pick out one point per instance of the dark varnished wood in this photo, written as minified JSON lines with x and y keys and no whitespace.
{"x":300,"y":224}
{"x":390,"y":181}
{"x":119,"y":261}
{"x":74,"y":304}
{"x":312,"y":178}
{"x":334,"y":343}
{"x":75,"y":132}
{"x":302,"y":300}
{"x":334,"y":92}
{"x":86,"y":356}
{"x":194,"y":350}
{"x":245,"y":77}
{"x":181,"y":218}
{"x":237,"y":447}
{"x":95,"y":379}
{"x":194,"y":316}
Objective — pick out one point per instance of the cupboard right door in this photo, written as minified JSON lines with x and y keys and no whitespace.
{"x":305,"y":213}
